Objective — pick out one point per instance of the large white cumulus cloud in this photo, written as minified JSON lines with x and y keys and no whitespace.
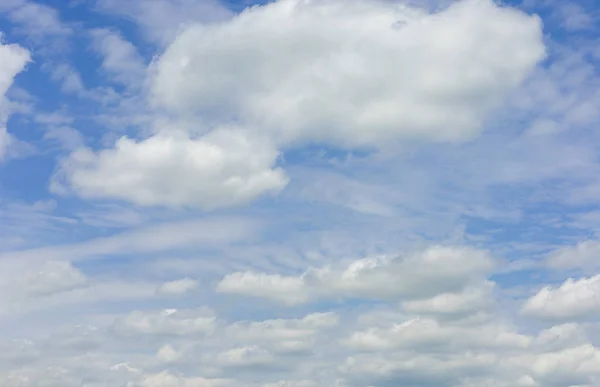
{"x":352,"y":72}
{"x":344,"y":73}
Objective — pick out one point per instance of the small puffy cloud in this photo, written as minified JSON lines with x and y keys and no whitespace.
{"x":249,"y":356}
{"x":279,"y":288}
{"x":416,"y":276}
{"x":283,"y":329}
{"x":351,"y":73}
{"x":168,"y":354}
{"x":167,"y":322}
{"x":473,"y":298}
{"x":177,"y":287}
{"x":221,"y":169}
{"x":574,"y":299}
{"x":284,"y":336}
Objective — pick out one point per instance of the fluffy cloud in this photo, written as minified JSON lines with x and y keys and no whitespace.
{"x":14,"y":59}
{"x":574,"y":299}
{"x":427,"y":333}
{"x":351,"y":73}
{"x":177,"y":287}
{"x":166,"y":322}
{"x":584,"y":255}
{"x":21,"y":283}
{"x":55,"y":277}
{"x":473,"y":298}
{"x":284,"y":336}
{"x":415,"y":276}
{"x":221,"y":169}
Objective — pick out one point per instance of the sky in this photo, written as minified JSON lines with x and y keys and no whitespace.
{"x":299,"y":193}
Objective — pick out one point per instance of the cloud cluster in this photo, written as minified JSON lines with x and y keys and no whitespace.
{"x":453,"y":334}
{"x":346,"y":74}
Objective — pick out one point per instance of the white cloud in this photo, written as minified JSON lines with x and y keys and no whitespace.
{"x":427,"y":333}
{"x":168,"y":379}
{"x":577,"y":366}
{"x":583,"y":255}
{"x":177,"y":287}
{"x":121,"y":59}
{"x":38,"y":21}
{"x":168,"y":354}
{"x":221,"y":169}
{"x":473,"y":298}
{"x":414,"y":276}
{"x":292,"y":383}
{"x":368,"y":71}
{"x":574,"y":16}
{"x":250,"y":356}
{"x":562,"y":336}
{"x":210,"y":231}
{"x":69,"y":78}
{"x":283,"y":329}
{"x":284,"y":336}
{"x":574,"y":299}
{"x":65,"y":137}
{"x":14,"y":59}
{"x":23,"y":282}
{"x":166,"y":322}
{"x":161,"y":20}
{"x":284,"y":289}
{"x":55,"y":277}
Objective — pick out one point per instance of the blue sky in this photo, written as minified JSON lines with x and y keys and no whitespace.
{"x":299,"y":193}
